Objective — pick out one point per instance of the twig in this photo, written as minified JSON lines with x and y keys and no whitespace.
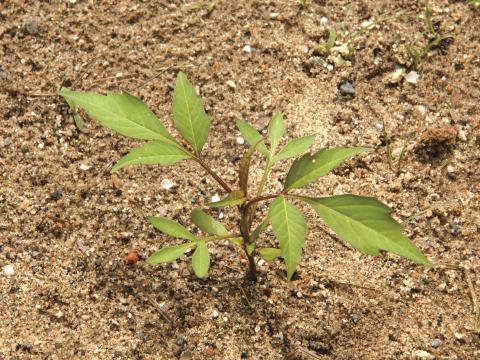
{"x":156,"y":306}
{"x":473,"y":296}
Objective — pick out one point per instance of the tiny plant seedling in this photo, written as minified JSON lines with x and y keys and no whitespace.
{"x":363,"y":222}
{"x":416,"y":54}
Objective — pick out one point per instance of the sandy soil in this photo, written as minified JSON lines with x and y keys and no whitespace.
{"x":66,"y":223}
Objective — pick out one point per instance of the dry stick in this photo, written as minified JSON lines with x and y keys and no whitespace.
{"x":157,"y":307}
{"x":468,"y":279}
{"x":476,"y":306}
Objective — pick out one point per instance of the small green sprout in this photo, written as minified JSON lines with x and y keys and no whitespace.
{"x":363,"y":222}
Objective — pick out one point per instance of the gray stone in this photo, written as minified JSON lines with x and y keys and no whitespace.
{"x":346,"y":88}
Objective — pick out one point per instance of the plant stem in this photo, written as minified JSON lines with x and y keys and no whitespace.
{"x":222,"y":183}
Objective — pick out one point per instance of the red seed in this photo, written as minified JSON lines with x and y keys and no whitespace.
{"x":132,"y":257}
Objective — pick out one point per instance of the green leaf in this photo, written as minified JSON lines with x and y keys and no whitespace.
{"x":207,"y":223}
{"x":201,"y":260}
{"x":309,"y":168}
{"x":250,"y":248}
{"x":366,"y":224}
{"x":236,"y":197}
{"x":122,"y":113}
{"x":171,"y":227}
{"x":169,"y":254}
{"x":289,"y":228}
{"x":294,"y":148}
{"x":77,"y":118}
{"x":252,"y":136}
{"x":276,"y":129}
{"x":244,"y":168}
{"x":269,"y":254}
{"x":156,"y":152}
{"x":258,"y":230}
{"x":189,"y":115}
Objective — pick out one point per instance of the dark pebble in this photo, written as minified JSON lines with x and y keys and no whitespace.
{"x":346,"y":88}
{"x":55,"y":195}
{"x":453,"y":228}
{"x":181,"y":340}
{"x":24,"y":347}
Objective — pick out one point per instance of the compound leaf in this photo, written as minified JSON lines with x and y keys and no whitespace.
{"x":294,"y":148}
{"x":207,"y":223}
{"x":366,"y":224}
{"x":252,"y":136}
{"x":201,"y":260}
{"x":236,"y":197}
{"x":309,"y":168}
{"x":188,"y":114}
{"x":289,"y":228}
{"x":156,"y":152}
{"x":122,"y":113}
{"x":276,"y":129}
{"x":171,"y":227}
{"x":269,"y":254}
{"x":169,"y":254}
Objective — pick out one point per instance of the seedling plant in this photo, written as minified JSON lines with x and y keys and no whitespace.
{"x":363,"y":222}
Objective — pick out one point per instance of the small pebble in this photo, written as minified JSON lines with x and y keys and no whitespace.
{"x":221,"y":215}
{"x":274,"y":15}
{"x":166,"y":184}
{"x":346,"y":88}
{"x":231,"y":84}
{"x":453,"y":228}
{"x":84,"y":167}
{"x":247,"y":49}
{"x":422,"y":354}
{"x":257,"y":328}
{"x":35,"y":254}
{"x":181,"y":340}
{"x":323,"y":21}
{"x":459,"y":336}
{"x":412,"y":77}
{"x":462,"y":136}
{"x":436,"y":343}
{"x":214,"y":314}
{"x":175,"y":266}
{"x":240,"y":140}
{"x":299,"y":295}
{"x":32,"y":26}
{"x":3,"y":75}
{"x":8,"y":270}
{"x":215,"y":198}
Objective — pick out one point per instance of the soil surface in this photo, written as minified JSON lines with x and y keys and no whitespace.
{"x":66,"y":223}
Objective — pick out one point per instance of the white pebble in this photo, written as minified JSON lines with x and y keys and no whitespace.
{"x":175,"y":266}
{"x":166,"y":184}
{"x":274,"y":15}
{"x":324,"y":21}
{"x":221,"y":215}
{"x":247,"y":49}
{"x":214,"y":314}
{"x":84,"y":167}
{"x":459,"y":336}
{"x":412,"y":77}
{"x":261,"y":262}
{"x":257,"y":328}
{"x":462,"y":136}
{"x":231,"y":84}
{"x":8,"y":270}
{"x":422,"y":354}
{"x":215,"y":198}
{"x":240,"y":140}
